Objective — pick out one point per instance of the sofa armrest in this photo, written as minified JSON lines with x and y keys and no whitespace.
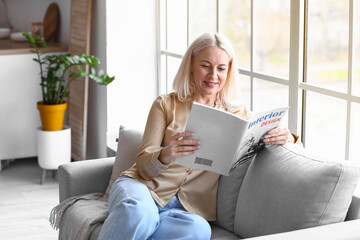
{"x":77,"y":178}
{"x":348,"y":230}
{"x":354,"y":209}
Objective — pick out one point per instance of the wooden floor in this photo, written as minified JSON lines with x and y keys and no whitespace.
{"x":25,"y":205}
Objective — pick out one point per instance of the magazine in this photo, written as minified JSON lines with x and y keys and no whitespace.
{"x":226,"y":139}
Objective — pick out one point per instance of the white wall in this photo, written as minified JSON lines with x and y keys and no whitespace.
{"x":131,"y":57}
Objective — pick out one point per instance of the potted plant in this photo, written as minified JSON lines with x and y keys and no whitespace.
{"x":54,"y":85}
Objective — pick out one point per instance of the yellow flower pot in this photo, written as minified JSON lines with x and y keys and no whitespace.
{"x":52,"y":116}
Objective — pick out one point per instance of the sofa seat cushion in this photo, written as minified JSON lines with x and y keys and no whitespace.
{"x":286,"y":188}
{"x":219,"y":233}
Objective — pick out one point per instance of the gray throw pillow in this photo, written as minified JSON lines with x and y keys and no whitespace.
{"x":227,"y":196}
{"x":285,"y":189}
{"x":128,"y":145}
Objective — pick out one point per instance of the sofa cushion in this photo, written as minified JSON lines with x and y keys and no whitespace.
{"x":227,"y":196}
{"x":128,"y":145}
{"x":285,"y":188}
{"x":218,"y":233}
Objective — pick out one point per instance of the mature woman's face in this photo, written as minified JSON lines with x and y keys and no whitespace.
{"x":209,"y":69}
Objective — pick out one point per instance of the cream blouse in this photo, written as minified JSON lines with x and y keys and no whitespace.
{"x":196,"y":189}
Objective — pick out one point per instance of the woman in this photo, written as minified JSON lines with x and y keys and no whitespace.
{"x":156,"y":198}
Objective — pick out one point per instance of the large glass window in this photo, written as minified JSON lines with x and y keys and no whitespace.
{"x":243,"y":85}
{"x":322,"y":61}
{"x":271,"y":37}
{"x":325,"y":124}
{"x":331,"y":77}
{"x":327,"y":43}
{"x":269,"y":95}
{"x":173,"y":66}
{"x":356,"y":52}
{"x":202,"y":17}
{"x":235,"y":23}
{"x":176,"y":26}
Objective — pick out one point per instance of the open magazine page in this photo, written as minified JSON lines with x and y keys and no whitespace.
{"x":219,"y":133}
{"x":258,"y":126}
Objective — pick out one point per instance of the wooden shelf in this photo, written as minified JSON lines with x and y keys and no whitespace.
{"x":8,"y":47}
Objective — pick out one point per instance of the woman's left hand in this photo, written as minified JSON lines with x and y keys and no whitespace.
{"x":278,"y":136}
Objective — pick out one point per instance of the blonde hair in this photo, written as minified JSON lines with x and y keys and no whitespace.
{"x":184,"y":84}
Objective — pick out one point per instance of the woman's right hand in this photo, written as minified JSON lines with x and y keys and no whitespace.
{"x":178,"y":146}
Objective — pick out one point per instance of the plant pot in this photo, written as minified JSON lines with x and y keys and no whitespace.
{"x":52,"y":116}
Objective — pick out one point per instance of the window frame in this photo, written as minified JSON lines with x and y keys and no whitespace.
{"x":297,"y":85}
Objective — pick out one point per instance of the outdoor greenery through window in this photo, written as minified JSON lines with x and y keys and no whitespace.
{"x":299,"y":53}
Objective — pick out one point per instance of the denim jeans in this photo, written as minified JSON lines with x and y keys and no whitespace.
{"x":133,"y":214}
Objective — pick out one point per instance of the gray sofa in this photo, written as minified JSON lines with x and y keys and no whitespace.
{"x":285,"y":192}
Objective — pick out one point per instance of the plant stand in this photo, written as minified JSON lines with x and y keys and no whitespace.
{"x":54,"y":149}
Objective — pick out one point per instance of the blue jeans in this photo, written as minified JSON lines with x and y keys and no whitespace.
{"x":133,"y":214}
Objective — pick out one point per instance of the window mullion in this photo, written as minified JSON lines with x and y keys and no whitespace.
{"x":188,"y":23}
{"x":218,"y":16}
{"x":351,"y":47}
{"x":158,"y":46}
{"x":252,"y":52}
{"x":350,"y":77}
{"x":296,"y":64}
{"x":166,"y":25}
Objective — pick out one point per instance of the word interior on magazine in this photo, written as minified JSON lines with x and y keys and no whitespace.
{"x":268,"y":116}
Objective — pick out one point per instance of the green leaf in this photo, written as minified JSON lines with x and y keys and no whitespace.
{"x":53,"y":70}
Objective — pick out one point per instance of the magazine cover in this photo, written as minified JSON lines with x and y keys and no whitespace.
{"x":227,"y":140}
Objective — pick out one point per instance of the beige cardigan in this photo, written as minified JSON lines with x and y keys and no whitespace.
{"x":196,"y":189}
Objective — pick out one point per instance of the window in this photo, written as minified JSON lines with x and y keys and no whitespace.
{"x":331,"y":78}
{"x":282,"y":60}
